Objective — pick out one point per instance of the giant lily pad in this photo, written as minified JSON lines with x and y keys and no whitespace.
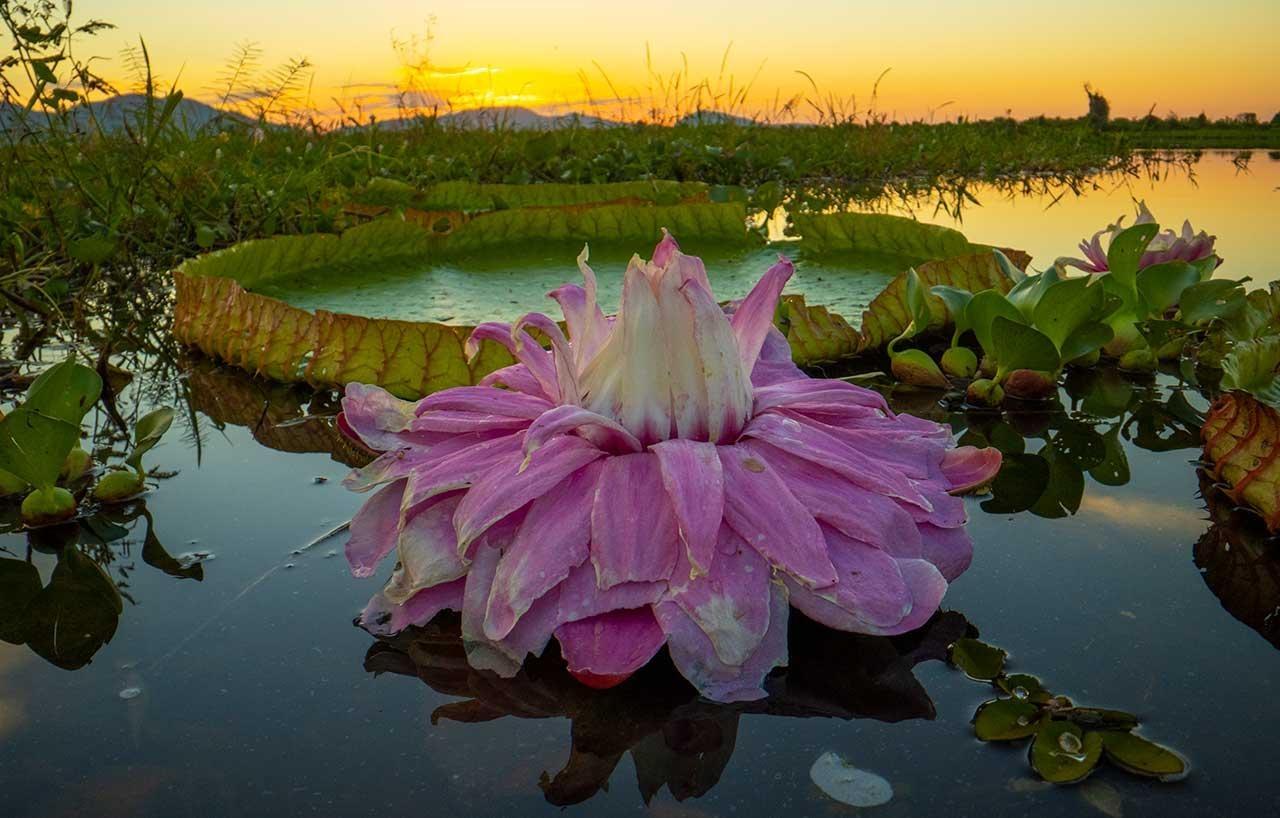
{"x":391,"y":302}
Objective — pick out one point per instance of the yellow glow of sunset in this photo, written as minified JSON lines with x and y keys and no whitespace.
{"x":946,"y":59}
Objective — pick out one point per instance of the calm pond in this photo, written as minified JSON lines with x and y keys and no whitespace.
{"x":234,"y":683}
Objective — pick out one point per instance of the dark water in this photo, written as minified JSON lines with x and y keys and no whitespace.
{"x":239,"y":687}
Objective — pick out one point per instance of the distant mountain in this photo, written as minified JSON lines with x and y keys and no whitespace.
{"x":110,"y":115}
{"x":514,"y":117}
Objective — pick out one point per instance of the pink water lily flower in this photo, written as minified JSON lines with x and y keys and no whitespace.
{"x":665,"y":477}
{"x":1188,"y":246}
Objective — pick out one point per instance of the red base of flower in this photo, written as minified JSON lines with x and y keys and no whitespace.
{"x":599,"y":681}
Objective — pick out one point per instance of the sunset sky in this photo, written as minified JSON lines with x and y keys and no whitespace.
{"x":984,"y":58}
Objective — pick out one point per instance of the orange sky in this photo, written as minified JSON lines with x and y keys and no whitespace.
{"x":981,"y":57}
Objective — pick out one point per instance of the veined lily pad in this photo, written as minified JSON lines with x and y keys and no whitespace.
{"x":1006,"y":720}
{"x":1141,"y":757}
{"x":1240,"y":436}
{"x":391,"y":302}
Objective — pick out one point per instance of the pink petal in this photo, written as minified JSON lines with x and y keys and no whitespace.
{"x":428,"y":545}
{"x":863,"y":468}
{"x":382,"y":617}
{"x":459,"y":469}
{"x":696,"y":659}
{"x":511,"y":483}
{"x":759,"y":506}
{"x":484,"y":400}
{"x":731,"y":603}
{"x":450,"y":422}
{"x":821,"y":397}
{"x":728,"y":382}
{"x":950,"y":549}
{"x":379,"y":419}
{"x":666,"y":249}
{"x":694,"y":482}
{"x":531,"y":635}
{"x":774,"y":364}
{"x":753,"y":318}
{"x":861,"y":514}
{"x":374,"y":529}
{"x":612,"y":644}
{"x":634,"y":536}
{"x":604,"y":432}
{"x":552,"y":540}
{"x":562,"y":354}
{"x":515,"y":378}
{"x":871,"y":594}
{"x":969,"y":467}
{"x":581,"y":596}
{"x":526,"y":350}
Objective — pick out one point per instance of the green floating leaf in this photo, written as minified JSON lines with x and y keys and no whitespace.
{"x":983,"y":310}
{"x":1063,"y":754}
{"x":1024,"y":686}
{"x":66,"y":391}
{"x":1215,"y":298}
{"x":1137,"y":755}
{"x":978,"y":660}
{"x":1099,"y":718}
{"x":1006,"y":720}
{"x":34,"y":446}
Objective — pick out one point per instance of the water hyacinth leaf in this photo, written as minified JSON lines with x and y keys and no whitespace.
{"x":1027,"y":294}
{"x":1006,"y":720}
{"x":66,"y":391}
{"x":1114,"y":468}
{"x":1006,"y":266}
{"x":1100,"y":718}
{"x":1161,"y":285}
{"x":1215,"y":298}
{"x":1063,"y":753}
{"x":1252,"y":367}
{"x":1137,"y":755}
{"x":918,"y":304}
{"x":978,"y":660}
{"x":1086,"y":340}
{"x":1065,"y":491}
{"x":19,"y":584}
{"x":1125,"y":253}
{"x":983,"y":310}
{"x":1018,"y":346}
{"x":915,"y":367}
{"x":957,"y":302}
{"x":1065,"y":306}
{"x":34,"y":446}
{"x":147,"y":433}
{"x":1022,"y":480}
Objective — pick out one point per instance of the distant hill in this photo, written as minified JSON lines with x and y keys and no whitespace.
{"x":111,"y":115}
{"x":514,"y":117}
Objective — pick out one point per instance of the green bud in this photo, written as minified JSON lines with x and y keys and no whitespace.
{"x":47,"y":506}
{"x":1171,"y":350}
{"x":119,"y":486}
{"x":77,"y":465}
{"x":915,"y":367}
{"x":987,"y":366}
{"x":959,"y":362}
{"x":1138,"y":360}
{"x":984,"y":392}
{"x":1086,"y":360}
{"x":1029,"y":384}
{"x":11,"y":484}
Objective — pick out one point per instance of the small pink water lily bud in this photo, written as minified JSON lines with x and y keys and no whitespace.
{"x":667,"y":478}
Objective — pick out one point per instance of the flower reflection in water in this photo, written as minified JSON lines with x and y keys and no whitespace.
{"x":675,"y":737}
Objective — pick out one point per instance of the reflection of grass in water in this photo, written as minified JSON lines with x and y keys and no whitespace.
{"x":504,"y":284}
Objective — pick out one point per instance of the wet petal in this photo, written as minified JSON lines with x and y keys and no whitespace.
{"x":562,"y":354}
{"x":552,"y":540}
{"x":753,"y":318}
{"x":969,"y":467}
{"x":612,"y":644}
{"x":774,"y":365}
{"x":694,"y":482}
{"x":870,"y":596}
{"x":763,"y":511}
{"x":950,"y":549}
{"x":634,"y":537}
{"x":382,"y":617}
{"x":428,"y":546}
{"x":484,"y":400}
{"x":728,"y":383}
{"x":379,"y":419}
{"x":821,"y":397}
{"x":581,"y":596}
{"x":604,"y":432}
{"x":526,"y":350}
{"x":731,"y":602}
{"x":374,"y":530}
{"x":696,"y":659}
{"x":511,"y":483}
{"x":515,"y":378}
{"x":459,"y":469}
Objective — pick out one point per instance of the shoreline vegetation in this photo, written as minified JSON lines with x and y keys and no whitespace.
{"x":96,"y":186}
